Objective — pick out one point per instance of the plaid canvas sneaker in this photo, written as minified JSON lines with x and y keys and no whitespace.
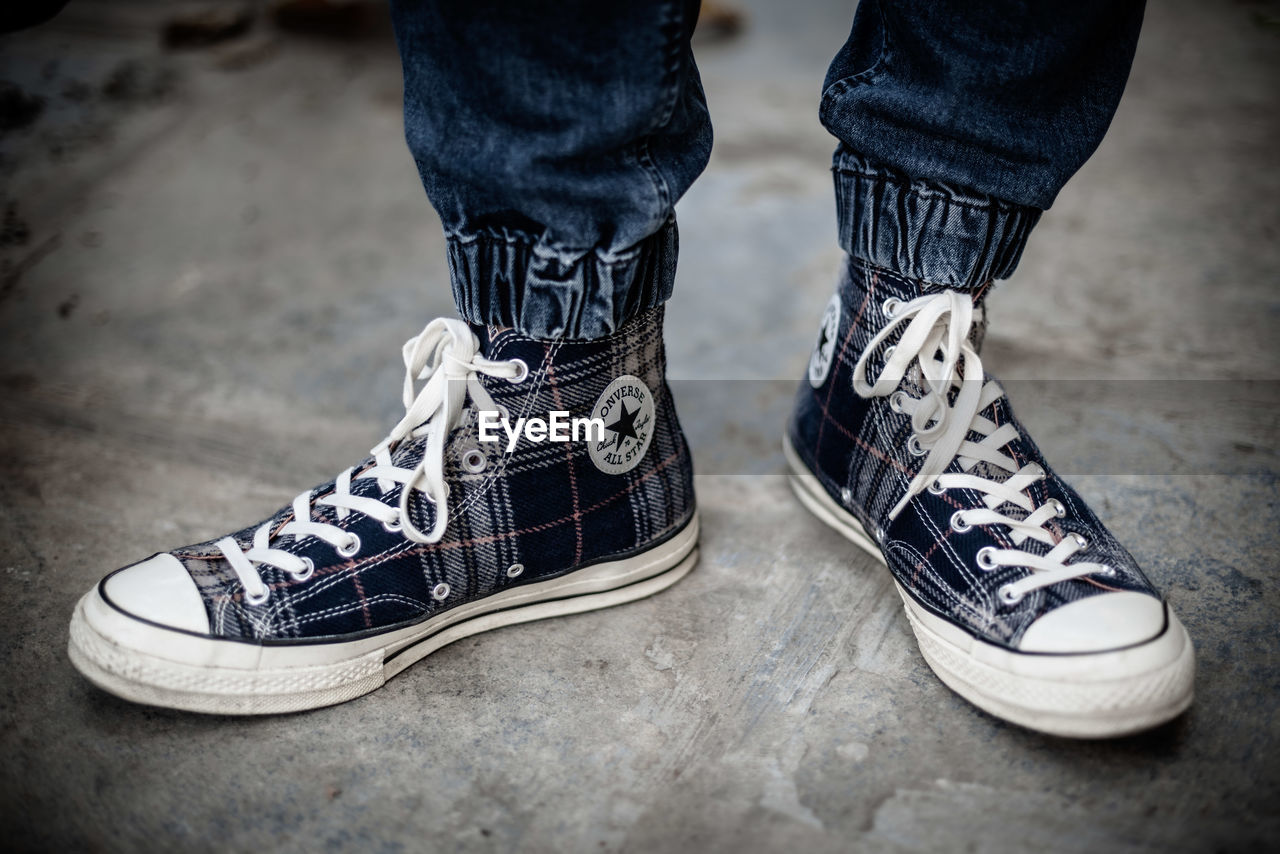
{"x":437,"y":535}
{"x":1020,"y":599}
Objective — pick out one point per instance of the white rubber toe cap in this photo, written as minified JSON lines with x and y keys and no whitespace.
{"x":160,"y":590}
{"x":1098,"y":623}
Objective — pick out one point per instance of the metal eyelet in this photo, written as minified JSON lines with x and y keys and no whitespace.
{"x":351,"y":548}
{"x":986,"y":559}
{"x":958,"y":524}
{"x":1007,"y":596}
{"x":522,"y":371}
{"x":1058,"y":510}
{"x":474,"y":461}
{"x":440,"y":592}
{"x":846,"y":495}
{"x":309,"y":569}
{"x":394,"y":526}
{"x":514,"y":570}
{"x":888,"y":352}
{"x":890,"y":307}
{"x":936,"y":488}
{"x":1080,"y":540}
{"x":250,"y":599}
{"x":1107,"y":570}
{"x":913,"y":445}
{"x":895,"y":402}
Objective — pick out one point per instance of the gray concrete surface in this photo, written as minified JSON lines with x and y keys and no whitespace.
{"x":210,"y":260}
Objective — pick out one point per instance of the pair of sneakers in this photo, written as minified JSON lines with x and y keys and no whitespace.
{"x":533,"y":478}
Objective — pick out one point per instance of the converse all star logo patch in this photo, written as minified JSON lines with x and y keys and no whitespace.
{"x":626,"y":408}
{"x":824,"y":351}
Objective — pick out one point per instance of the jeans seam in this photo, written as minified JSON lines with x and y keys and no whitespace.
{"x":671,"y":66}
{"x":862,"y":78}
{"x":644,"y":158}
{"x":671,"y":24}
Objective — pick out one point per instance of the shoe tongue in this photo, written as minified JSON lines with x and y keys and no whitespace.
{"x":483,"y":334}
{"x":492,"y":338}
{"x":911,"y":289}
{"x":500,"y":342}
{"x":919,"y":289}
{"x":907,"y":289}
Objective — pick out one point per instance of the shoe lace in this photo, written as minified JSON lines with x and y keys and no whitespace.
{"x":444,"y":358}
{"x":934,"y":334}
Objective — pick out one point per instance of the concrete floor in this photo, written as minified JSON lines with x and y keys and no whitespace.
{"x":211,"y":254}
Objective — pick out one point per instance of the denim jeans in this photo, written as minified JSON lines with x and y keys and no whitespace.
{"x":554,"y":139}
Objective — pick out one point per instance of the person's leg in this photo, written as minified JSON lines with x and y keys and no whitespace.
{"x":958,"y":125}
{"x":554,"y":139}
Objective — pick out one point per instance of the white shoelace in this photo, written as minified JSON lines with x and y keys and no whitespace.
{"x":445,"y":357}
{"x":938,"y":325}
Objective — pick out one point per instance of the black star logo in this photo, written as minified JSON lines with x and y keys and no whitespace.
{"x":822,"y":339}
{"x":625,"y":426}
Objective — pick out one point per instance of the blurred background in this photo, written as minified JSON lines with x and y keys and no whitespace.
{"x":212,"y":241}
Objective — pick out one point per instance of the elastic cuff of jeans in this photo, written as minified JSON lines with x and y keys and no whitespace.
{"x":926,"y":231}
{"x":511,"y":279}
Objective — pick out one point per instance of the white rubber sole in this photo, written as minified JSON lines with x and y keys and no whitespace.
{"x":1089,"y":695}
{"x":150,"y":664}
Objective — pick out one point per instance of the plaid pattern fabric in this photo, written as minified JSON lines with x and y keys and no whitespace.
{"x":543,"y":505}
{"x":858,"y":449}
